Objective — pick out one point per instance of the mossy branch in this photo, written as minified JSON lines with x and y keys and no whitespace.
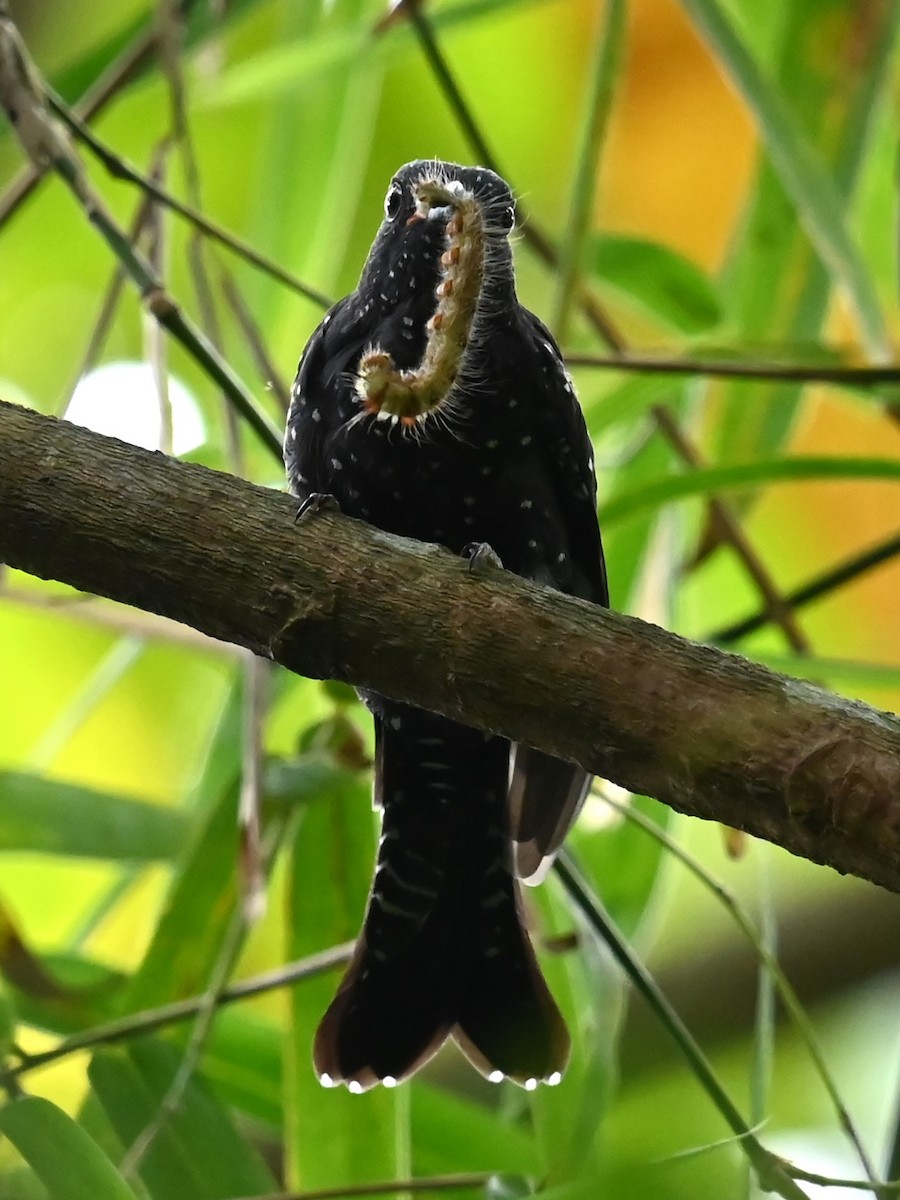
{"x":706,"y":732}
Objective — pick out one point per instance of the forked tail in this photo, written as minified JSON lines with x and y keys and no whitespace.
{"x":443,"y":950}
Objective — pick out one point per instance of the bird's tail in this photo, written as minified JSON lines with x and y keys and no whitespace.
{"x":443,"y":949}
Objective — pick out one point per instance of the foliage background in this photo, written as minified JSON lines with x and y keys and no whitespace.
{"x":297,"y":118}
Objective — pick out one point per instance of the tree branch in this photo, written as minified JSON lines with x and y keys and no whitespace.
{"x":708,"y":733}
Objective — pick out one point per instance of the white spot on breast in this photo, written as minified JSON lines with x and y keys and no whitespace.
{"x":526,"y":440}
{"x":395,"y":722}
{"x":526,"y":504}
{"x":316,"y":415}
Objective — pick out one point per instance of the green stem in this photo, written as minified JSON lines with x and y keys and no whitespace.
{"x":152,"y":1019}
{"x":770,"y":1169}
{"x":118,"y":168}
{"x":603,"y":80}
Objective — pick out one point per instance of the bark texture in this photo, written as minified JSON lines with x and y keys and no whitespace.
{"x":706,"y":732}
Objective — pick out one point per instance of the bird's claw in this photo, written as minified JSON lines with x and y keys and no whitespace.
{"x":481,"y":555}
{"x":316,"y":502}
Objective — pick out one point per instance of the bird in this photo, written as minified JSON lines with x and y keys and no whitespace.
{"x":431,"y":404}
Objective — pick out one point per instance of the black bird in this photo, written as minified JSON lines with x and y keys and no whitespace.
{"x":430,"y":403}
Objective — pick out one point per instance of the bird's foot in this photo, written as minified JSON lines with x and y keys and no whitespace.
{"x":316,"y":502}
{"x":481,"y":556}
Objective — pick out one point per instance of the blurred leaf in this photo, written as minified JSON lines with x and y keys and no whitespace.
{"x":707,"y":480}
{"x":67,"y":1161}
{"x":198,"y":1153}
{"x":200,"y":22}
{"x":21,"y":1185}
{"x":243,"y":1062}
{"x":331,"y":49}
{"x":809,"y":184}
{"x":508,"y":1187}
{"x":45,"y":816}
{"x":167,"y":1169}
{"x":8,"y":1022}
{"x":776,"y":286}
{"x":665,"y":283}
{"x":19,"y":966}
{"x":443,"y":1122}
{"x":627,"y":540}
{"x":625,"y":402}
{"x":197,"y":912}
{"x":87,"y":993}
{"x":202,"y":894}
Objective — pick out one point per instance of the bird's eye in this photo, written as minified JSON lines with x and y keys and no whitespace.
{"x":508,"y":218}
{"x":393,"y":201}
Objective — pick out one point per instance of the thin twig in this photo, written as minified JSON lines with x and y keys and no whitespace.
{"x":730,"y":529}
{"x":268,"y":372}
{"x":771,"y":1171}
{"x":608,"y":56}
{"x":534,"y":236}
{"x":817,"y":587}
{"x":152,"y":1019}
{"x":94,"y":100}
{"x":113,"y":293}
{"x":766,"y":958}
{"x":22,"y":94}
{"x":432,"y":1183}
{"x":118,"y":168}
{"x":851,"y":377}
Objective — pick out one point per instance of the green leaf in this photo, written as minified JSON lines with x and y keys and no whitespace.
{"x":8,"y":1022}
{"x":167,"y":1169}
{"x":196,"y":915}
{"x":49,"y":817}
{"x":627,"y":541}
{"x":86,"y":994}
{"x":333,"y":51}
{"x":777,"y":289}
{"x":198,"y":1152}
{"x":665,"y":283}
{"x":704,"y":481}
{"x":443,"y":1122}
{"x":809,"y":184}
{"x":69,"y":1163}
{"x":243,"y":1062}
